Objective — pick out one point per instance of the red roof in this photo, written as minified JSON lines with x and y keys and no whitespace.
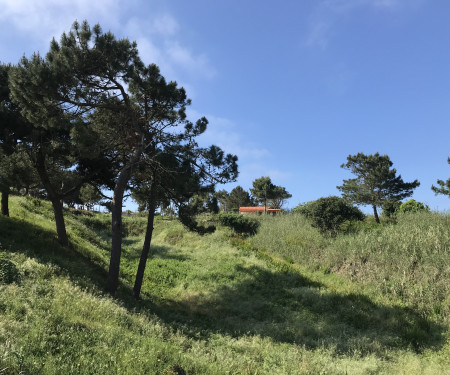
{"x":257,"y":209}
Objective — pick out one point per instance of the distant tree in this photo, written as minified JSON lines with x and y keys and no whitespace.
{"x":328,"y":214}
{"x":444,"y":186}
{"x":279,"y":196}
{"x":375,"y":183}
{"x":90,"y":196}
{"x":413,"y":206}
{"x":262,"y":190}
{"x":222,"y":197}
{"x":267,"y":193}
{"x":238,"y":197}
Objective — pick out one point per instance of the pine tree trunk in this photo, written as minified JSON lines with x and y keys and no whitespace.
{"x":59,"y":220}
{"x":116,"y":245}
{"x":375,"y":213}
{"x":116,"y":228}
{"x":54,"y":198}
{"x":147,"y":243}
{"x":5,"y":200}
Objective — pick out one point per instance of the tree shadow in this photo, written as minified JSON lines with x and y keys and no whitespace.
{"x":132,"y":252}
{"x":17,"y":235}
{"x":289,"y":308}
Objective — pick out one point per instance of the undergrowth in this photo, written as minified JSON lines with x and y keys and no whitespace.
{"x":407,"y":261}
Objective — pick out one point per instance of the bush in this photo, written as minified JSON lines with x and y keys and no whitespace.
{"x":133,"y":226}
{"x":8,"y":271}
{"x":239,"y":223}
{"x":413,"y":206}
{"x":390,"y":208}
{"x":328,"y":214}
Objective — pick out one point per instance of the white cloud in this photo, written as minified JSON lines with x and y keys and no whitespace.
{"x":158,"y":34}
{"x":44,"y":19}
{"x":158,"y":42}
{"x":185,"y":59}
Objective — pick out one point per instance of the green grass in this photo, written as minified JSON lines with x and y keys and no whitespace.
{"x":408,"y":261}
{"x":213,"y":304}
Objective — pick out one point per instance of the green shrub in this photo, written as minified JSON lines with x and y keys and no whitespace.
{"x":133,"y":226}
{"x":174,"y":236}
{"x":328,"y":214}
{"x":390,"y":208}
{"x":8,"y":271}
{"x":240,"y":223}
{"x":413,"y":206}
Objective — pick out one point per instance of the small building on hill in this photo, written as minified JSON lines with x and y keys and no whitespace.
{"x":258,"y":210}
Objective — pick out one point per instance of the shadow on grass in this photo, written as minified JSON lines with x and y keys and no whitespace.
{"x":289,"y":308}
{"x":133,"y":248}
{"x":17,"y":235}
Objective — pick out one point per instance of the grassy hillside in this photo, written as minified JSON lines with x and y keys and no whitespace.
{"x":215,"y":304}
{"x":407,"y":262}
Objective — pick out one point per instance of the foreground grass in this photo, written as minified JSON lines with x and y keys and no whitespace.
{"x":212,"y":304}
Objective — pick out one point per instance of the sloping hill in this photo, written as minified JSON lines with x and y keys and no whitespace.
{"x":211,"y":305}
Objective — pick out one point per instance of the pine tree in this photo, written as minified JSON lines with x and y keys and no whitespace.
{"x":375,"y":181}
{"x":444,"y":186}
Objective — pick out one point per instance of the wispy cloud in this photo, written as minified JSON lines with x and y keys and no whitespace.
{"x":255,"y":160}
{"x":43,"y":19}
{"x":327,"y":13}
{"x":158,"y":42}
{"x":224,"y":133}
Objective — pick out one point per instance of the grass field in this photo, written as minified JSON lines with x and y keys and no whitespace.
{"x":287,"y":301}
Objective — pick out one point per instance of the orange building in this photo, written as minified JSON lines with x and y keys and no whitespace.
{"x":258,"y":210}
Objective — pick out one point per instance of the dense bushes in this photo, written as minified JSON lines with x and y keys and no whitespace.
{"x":328,"y":214}
{"x":391,"y":207}
{"x":412,"y":206}
{"x":239,"y":223}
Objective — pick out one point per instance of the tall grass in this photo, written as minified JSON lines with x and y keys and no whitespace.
{"x":409,"y":261}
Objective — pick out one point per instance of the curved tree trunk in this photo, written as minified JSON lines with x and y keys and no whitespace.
{"x":5,"y":200}
{"x":112,"y":281}
{"x":375,"y":213}
{"x":147,"y":243}
{"x":54,"y":198}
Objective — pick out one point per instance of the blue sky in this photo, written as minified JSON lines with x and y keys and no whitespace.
{"x":291,"y":87}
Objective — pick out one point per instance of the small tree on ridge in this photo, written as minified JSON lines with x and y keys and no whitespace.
{"x":375,"y":181}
